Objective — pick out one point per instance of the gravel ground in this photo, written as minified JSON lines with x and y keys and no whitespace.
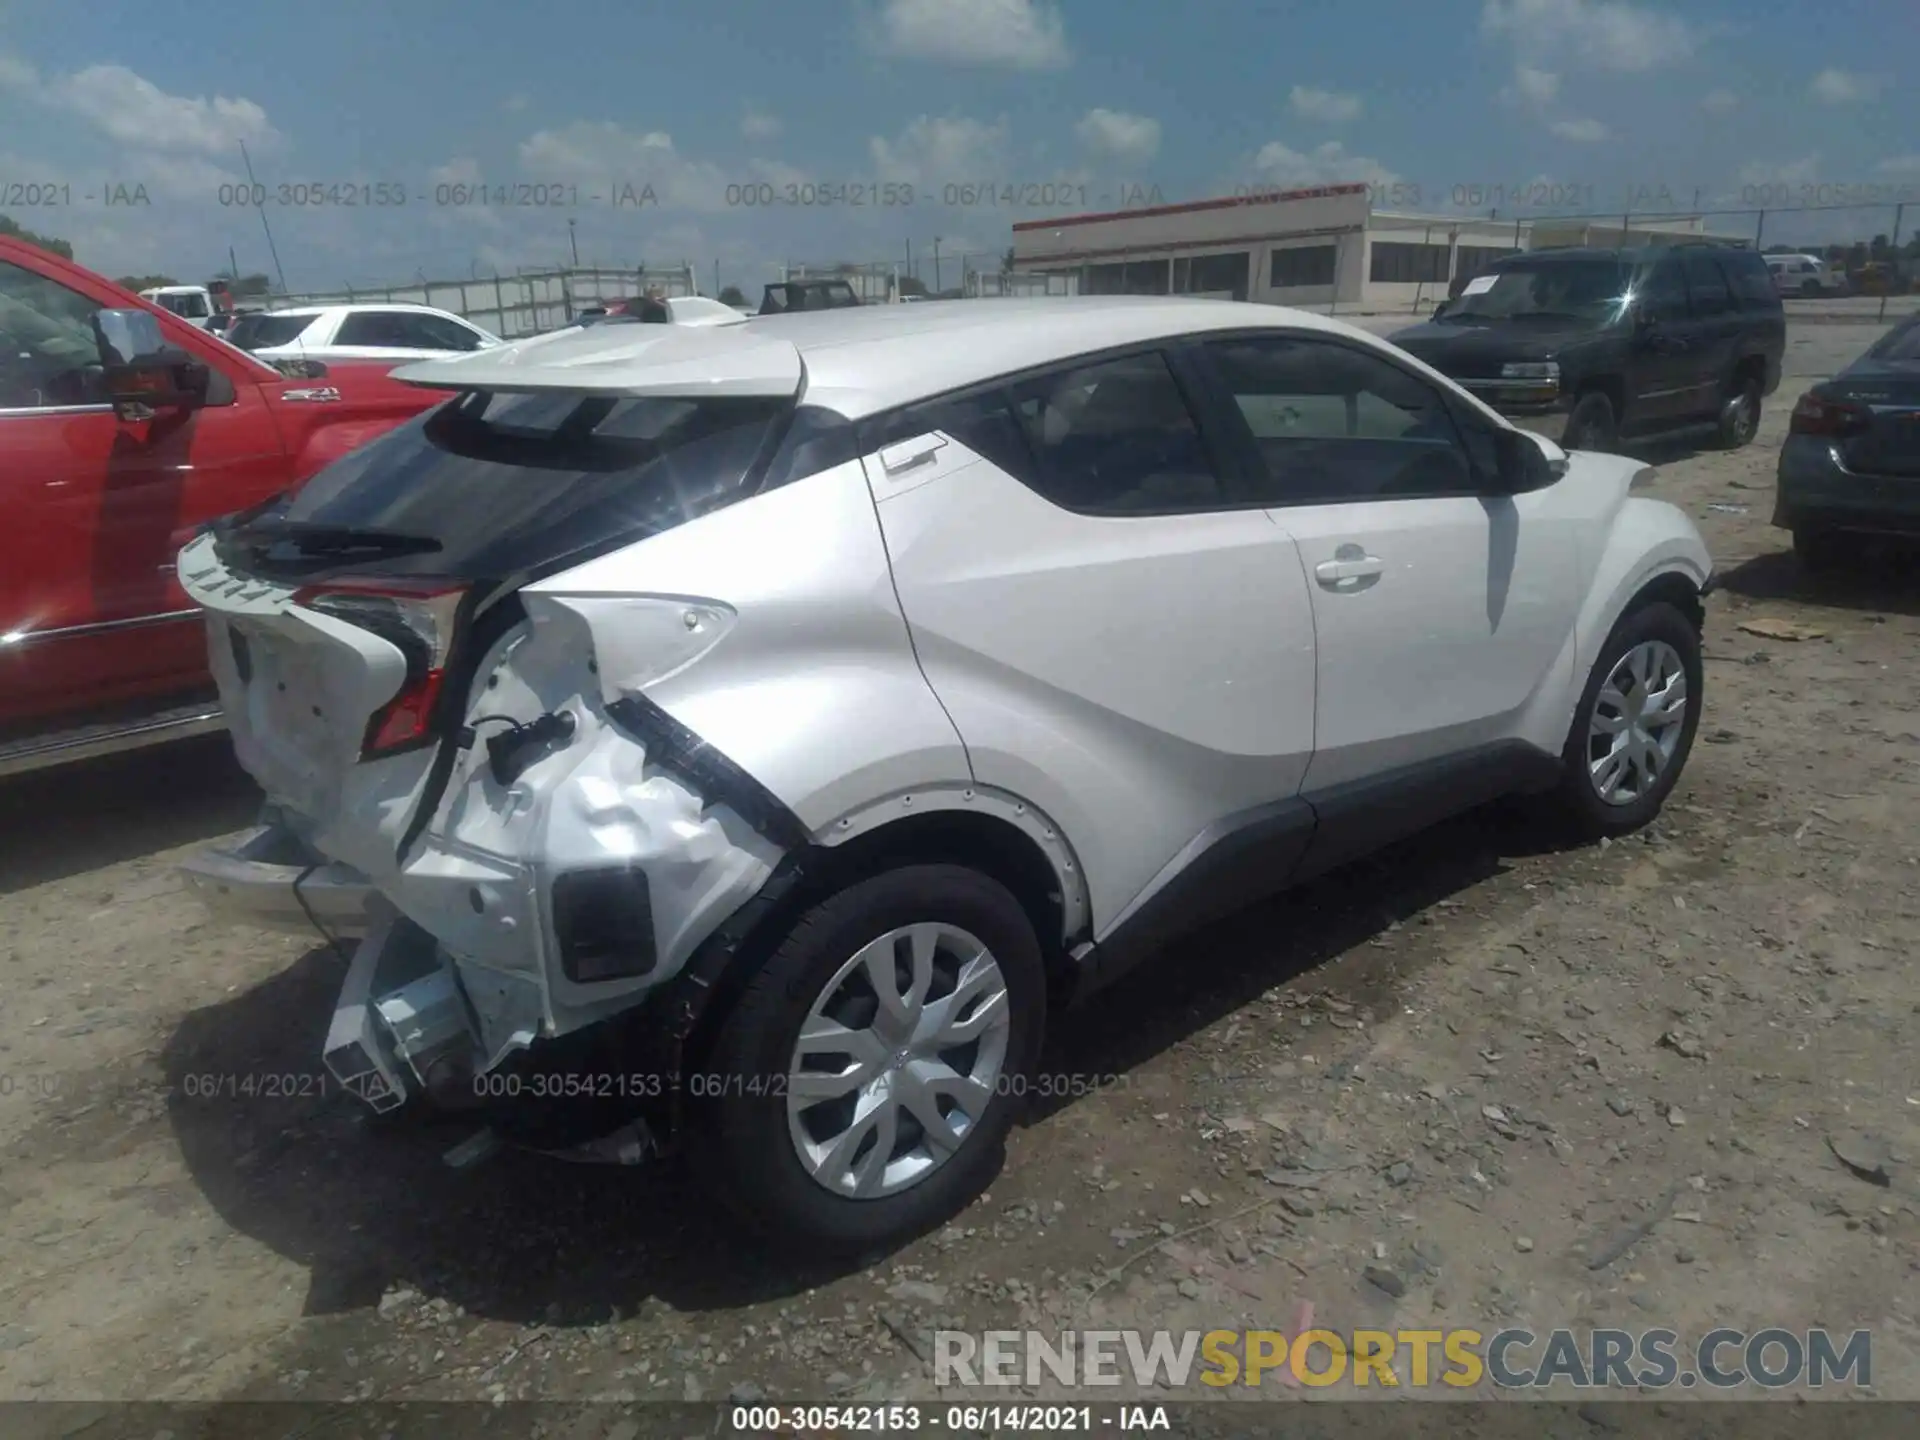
{"x":1467,"y":1065}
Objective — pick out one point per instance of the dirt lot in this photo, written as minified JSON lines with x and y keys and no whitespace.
{"x":1466,"y":1064}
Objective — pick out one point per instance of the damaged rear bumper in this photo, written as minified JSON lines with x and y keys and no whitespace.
{"x":270,"y":878}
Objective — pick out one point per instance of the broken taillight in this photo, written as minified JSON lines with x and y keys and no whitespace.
{"x":418,"y":619}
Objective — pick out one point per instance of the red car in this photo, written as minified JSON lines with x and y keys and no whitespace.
{"x":100,"y":649}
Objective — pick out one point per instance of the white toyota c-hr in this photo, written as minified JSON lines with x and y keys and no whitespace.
{"x":750,"y":734}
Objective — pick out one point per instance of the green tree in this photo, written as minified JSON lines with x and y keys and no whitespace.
{"x":11,"y":227}
{"x":138,"y":283}
{"x":733,"y":295}
{"x":910,"y":285}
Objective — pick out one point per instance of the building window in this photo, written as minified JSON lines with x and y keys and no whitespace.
{"x":1213,"y":274}
{"x":1470,"y":260}
{"x":1135,"y":277}
{"x":1302,"y":265}
{"x":1399,"y":262}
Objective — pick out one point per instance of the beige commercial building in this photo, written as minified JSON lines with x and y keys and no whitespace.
{"x":1325,"y":247}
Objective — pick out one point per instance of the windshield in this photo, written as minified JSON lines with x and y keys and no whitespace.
{"x":1583,"y":292}
{"x":263,"y":332}
{"x":490,"y":485}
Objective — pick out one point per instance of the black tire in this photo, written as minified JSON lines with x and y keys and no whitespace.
{"x":1579,"y":804}
{"x":737,"y":1135}
{"x":1820,"y":552}
{"x":1592,"y":425}
{"x":1739,"y":418}
{"x":1809,"y":289}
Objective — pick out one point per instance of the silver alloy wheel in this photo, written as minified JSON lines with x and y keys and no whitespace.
{"x":1637,"y":720}
{"x":1746,"y":417}
{"x":897,"y":1061}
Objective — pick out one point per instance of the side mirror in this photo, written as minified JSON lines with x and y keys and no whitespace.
{"x":143,"y":373}
{"x":1528,"y":462}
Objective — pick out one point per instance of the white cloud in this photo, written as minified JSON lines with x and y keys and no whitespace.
{"x":1607,"y":34}
{"x":1117,"y":135}
{"x":515,"y":103}
{"x":1532,"y":86}
{"x":126,"y":107}
{"x":461,"y":170}
{"x":1327,"y":164}
{"x":1719,"y":102}
{"x":1330,"y":107}
{"x":1843,"y":87}
{"x":615,"y":160}
{"x":759,"y":125}
{"x":1585,"y":132}
{"x":936,"y":150}
{"x":1780,"y":174}
{"x":1019,"y":34}
{"x":1899,"y":165}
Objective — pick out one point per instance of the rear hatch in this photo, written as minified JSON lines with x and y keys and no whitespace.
{"x":347,"y":618}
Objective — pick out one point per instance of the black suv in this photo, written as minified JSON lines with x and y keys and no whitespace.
{"x":790,"y":295}
{"x":1593,"y":347}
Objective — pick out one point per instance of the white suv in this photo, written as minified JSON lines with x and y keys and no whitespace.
{"x":763,"y":728}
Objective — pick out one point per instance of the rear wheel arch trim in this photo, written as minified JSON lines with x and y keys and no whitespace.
{"x":995,"y":804}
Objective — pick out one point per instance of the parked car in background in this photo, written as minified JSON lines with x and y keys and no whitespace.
{"x":394,"y":333}
{"x":786,"y":296}
{"x":192,"y":303}
{"x":743,"y":701}
{"x":107,"y":461}
{"x":1850,"y":467}
{"x":1806,"y":275}
{"x":1598,"y":347}
{"x":223,"y":321}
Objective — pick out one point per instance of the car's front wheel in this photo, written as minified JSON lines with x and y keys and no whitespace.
{"x":861,"y":1089}
{"x":1633,"y":728}
{"x":1592,"y":425}
{"x":1739,"y":419}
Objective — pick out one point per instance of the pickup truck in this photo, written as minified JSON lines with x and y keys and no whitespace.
{"x":100,"y":649}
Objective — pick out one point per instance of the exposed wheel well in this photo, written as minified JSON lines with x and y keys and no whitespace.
{"x":981,"y":842}
{"x":1754,"y":366}
{"x":1676,"y":590}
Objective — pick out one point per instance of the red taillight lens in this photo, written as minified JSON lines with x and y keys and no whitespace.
{"x":1815,"y":416}
{"x":417,"y":618}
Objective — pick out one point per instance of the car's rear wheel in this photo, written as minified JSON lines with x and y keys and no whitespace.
{"x":1592,"y":425}
{"x":1633,"y":728}
{"x":1809,"y":288}
{"x":861,"y":1089}
{"x":1739,"y":419}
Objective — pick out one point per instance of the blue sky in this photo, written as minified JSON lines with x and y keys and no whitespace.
{"x":714,"y":103}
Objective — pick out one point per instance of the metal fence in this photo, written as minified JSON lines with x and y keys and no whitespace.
{"x":512,"y":306}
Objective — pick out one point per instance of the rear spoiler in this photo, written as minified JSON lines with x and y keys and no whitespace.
{"x":663,"y":360}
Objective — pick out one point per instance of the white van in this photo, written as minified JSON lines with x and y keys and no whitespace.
{"x":192,"y":303}
{"x":1806,"y":275}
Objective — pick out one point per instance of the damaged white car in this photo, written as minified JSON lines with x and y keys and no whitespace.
{"x":751,"y":734}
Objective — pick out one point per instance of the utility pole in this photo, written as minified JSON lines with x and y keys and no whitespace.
{"x":573,"y":240}
{"x":936,"y":265}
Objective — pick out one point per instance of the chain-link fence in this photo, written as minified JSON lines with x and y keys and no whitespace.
{"x":513,"y":306}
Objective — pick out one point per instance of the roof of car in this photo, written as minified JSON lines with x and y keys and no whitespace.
{"x":1629,"y":254}
{"x":361,"y":306}
{"x":863,"y":359}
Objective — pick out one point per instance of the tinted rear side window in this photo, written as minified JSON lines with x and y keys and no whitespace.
{"x":263,"y":332}
{"x":1751,"y":280}
{"x":506,"y":483}
{"x":1116,"y":439}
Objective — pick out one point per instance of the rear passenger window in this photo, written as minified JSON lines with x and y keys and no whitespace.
{"x":1116,"y":439}
{"x":817,"y":439}
{"x":1751,"y":279}
{"x":1707,"y":286}
{"x":983,"y":423}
